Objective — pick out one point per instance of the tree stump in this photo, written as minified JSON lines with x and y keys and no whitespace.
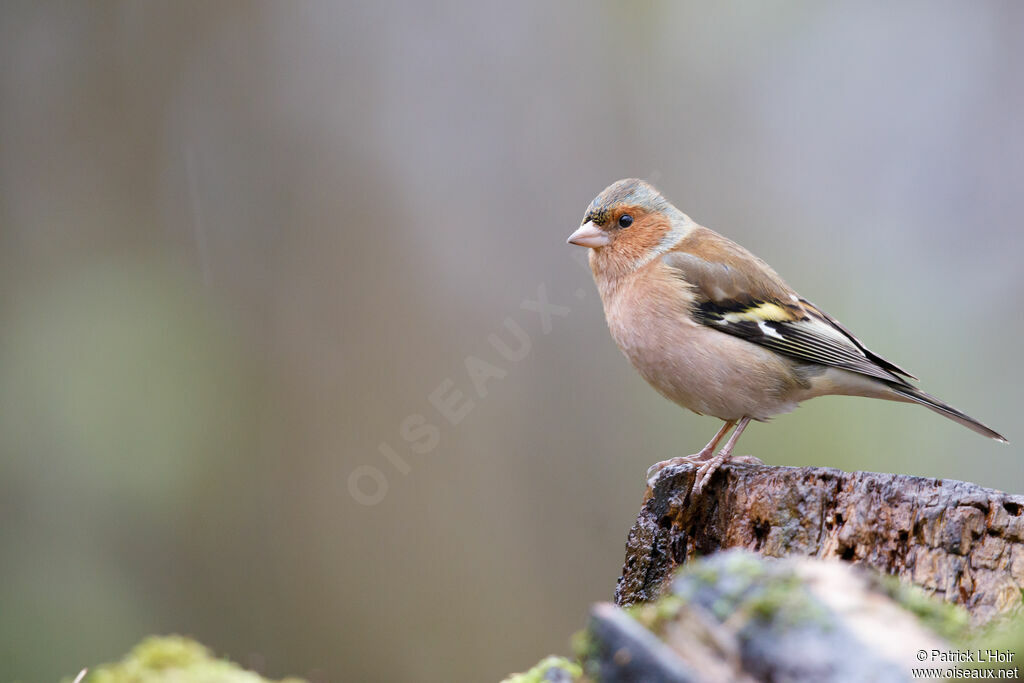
{"x":957,"y":540}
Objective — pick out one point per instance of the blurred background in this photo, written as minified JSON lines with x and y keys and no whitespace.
{"x":273,"y":366}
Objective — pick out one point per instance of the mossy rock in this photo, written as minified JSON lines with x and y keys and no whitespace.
{"x":549,"y":670}
{"x":945,"y":618}
{"x":736,"y":615}
{"x":173,"y":659}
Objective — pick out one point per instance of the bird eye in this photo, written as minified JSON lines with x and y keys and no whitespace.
{"x":625,"y":220}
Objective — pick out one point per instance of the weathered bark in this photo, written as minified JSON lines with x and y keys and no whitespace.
{"x":958,"y":540}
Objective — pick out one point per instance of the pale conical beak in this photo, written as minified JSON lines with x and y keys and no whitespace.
{"x":589,"y":235}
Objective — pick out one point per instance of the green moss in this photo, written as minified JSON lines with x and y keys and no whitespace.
{"x":944,"y":618}
{"x":1005,"y":634}
{"x":654,"y":615}
{"x":172,"y":659}
{"x":549,"y":669}
{"x":584,"y":647}
{"x":738,"y":582}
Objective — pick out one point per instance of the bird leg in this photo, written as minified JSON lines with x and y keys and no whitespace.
{"x":695,"y":459}
{"x":709,"y":467}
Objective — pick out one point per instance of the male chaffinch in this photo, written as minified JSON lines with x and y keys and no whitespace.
{"x":715,"y":329}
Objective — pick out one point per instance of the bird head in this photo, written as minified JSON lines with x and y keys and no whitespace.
{"x":629,"y":223}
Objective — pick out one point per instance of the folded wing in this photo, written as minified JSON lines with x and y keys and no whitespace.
{"x":739,"y":294}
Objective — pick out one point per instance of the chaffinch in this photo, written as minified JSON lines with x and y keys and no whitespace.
{"x":715,"y":329}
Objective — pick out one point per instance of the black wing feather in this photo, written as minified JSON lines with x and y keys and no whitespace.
{"x":888,"y":365}
{"x":808,"y":338}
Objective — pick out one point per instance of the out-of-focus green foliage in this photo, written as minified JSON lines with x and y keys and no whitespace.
{"x":173,"y":659}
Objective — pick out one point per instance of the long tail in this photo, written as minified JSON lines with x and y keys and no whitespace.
{"x":918,"y":396}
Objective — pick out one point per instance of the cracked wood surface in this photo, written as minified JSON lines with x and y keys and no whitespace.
{"x":958,"y":540}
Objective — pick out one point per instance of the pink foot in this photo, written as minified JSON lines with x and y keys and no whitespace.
{"x":706,"y":470}
{"x":654,"y":470}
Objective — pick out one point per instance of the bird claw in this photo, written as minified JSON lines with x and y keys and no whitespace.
{"x":705,"y":472}
{"x":708,"y":469}
{"x":707,"y":465}
{"x":655,"y":470}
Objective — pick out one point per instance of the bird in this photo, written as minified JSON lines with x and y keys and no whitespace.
{"x":713,"y":328}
